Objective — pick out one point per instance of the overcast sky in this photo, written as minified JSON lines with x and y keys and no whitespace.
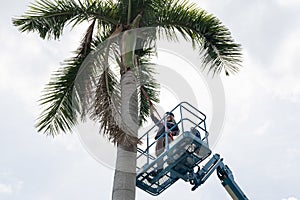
{"x":260,"y":139}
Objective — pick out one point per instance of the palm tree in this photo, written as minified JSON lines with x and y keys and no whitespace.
{"x":110,"y":19}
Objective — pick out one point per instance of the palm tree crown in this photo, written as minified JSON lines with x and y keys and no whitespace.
{"x":49,"y":18}
{"x":111,"y":32}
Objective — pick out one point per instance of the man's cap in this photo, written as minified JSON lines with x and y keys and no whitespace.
{"x":170,"y":113}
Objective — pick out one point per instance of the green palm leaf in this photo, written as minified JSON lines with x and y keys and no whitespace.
{"x":61,"y":100}
{"x":49,"y":18}
{"x":214,"y":40}
{"x":148,"y":87}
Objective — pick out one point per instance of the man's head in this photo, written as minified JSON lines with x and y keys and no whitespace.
{"x":170,"y":116}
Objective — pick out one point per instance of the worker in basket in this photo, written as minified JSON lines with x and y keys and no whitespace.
{"x":163,"y":127}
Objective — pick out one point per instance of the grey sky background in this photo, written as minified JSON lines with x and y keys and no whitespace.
{"x":260,"y":140}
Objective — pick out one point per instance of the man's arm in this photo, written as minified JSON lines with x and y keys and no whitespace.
{"x":154,"y":119}
{"x":174,"y":127}
{"x":175,"y":133}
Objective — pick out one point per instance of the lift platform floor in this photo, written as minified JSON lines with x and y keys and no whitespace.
{"x":182,"y":155}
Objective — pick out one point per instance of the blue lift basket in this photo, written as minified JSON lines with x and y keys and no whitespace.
{"x":179,"y":157}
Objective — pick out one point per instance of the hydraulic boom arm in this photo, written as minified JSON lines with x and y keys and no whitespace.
{"x":224,"y":174}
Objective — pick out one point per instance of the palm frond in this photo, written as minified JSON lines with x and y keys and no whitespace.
{"x":107,"y":112}
{"x":106,"y":106}
{"x":90,"y":71}
{"x":148,"y":86}
{"x":59,"y":100}
{"x":49,"y":18}
{"x":59,"y":105}
{"x":98,"y":89}
{"x":204,"y":30}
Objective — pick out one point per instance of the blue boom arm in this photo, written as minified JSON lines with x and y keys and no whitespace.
{"x":224,"y":174}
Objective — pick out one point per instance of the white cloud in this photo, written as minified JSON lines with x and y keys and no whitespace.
{"x":69,"y":142}
{"x":290,"y":198}
{"x":9,"y":183}
{"x":288,"y":2}
{"x":19,"y":185}
{"x":283,"y":80}
{"x":5,"y":189}
{"x":262,"y":130}
{"x":239,"y":97}
{"x":280,"y":79}
{"x":202,"y":4}
{"x":28,"y":61}
{"x":17,"y":64}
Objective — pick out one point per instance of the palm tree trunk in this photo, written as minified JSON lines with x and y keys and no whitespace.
{"x":125,"y":172}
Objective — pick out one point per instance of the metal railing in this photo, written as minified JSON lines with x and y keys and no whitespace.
{"x":190,"y":120}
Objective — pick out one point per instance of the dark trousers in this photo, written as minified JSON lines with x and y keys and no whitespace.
{"x":160,"y":148}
